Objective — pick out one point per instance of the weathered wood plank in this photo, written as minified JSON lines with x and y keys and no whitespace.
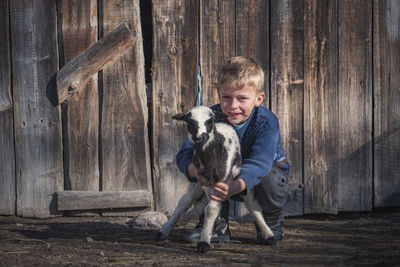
{"x":321,"y":107}
{"x":7,"y":158}
{"x":252,"y":35}
{"x":287,"y":89}
{"x":5,"y":67}
{"x":174,"y":90}
{"x":355,"y":102}
{"x":124,"y":135}
{"x":81,"y":117}
{"x":252,"y":43}
{"x":74,"y":75}
{"x":387,"y":103}
{"x":217,"y":43}
{"x":88,"y":200}
{"x":37,"y":122}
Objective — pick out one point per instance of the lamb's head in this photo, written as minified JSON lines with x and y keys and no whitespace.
{"x":200,"y":123}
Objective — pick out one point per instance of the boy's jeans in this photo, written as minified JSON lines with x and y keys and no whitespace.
{"x":271,"y":191}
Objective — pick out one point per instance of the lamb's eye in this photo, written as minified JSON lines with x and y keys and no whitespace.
{"x":209,"y":123}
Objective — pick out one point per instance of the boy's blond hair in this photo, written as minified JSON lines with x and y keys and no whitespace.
{"x":242,"y":71}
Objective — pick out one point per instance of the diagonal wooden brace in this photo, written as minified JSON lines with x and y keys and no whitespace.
{"x":76,"y":73}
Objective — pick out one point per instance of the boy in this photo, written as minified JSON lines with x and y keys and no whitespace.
{"x":264,"y":165}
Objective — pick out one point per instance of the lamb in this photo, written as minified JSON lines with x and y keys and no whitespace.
{"x":217,"y":156}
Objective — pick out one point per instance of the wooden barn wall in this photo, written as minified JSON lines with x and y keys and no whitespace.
{"x":332,"y":78}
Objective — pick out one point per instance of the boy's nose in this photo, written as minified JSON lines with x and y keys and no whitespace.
{"x":234,"y":103}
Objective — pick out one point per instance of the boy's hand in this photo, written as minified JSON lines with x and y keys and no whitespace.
{"x":224,"y":190}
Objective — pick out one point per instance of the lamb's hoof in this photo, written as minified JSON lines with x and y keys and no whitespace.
{"x":203,"y":247}
{"x":161,"y":237}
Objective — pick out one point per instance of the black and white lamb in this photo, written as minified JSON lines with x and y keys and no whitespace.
{"x":216,"y":156}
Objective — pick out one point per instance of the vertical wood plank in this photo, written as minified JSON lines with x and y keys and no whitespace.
{"x":217,"y":43}
{"x":387,"y":103}
{"x":37,"y":123}
{"x":81,"y":117}
{"x":5,"y":67}
{"x":321,"y":102}
{"x":7,"y":158}
{"x":174,"y":90}
{"x":287,"y":87}
{"x":252,"y":43}
{"x":124,"y":135}
{"x":355,"y":100}
{"x":252,"y":35}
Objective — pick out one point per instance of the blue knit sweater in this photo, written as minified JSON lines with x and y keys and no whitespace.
{"x":260,"y":143}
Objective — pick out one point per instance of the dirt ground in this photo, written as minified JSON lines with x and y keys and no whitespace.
{"x":347,"y":239}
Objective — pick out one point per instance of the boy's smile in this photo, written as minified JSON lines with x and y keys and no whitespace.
{"x":239,"y":103}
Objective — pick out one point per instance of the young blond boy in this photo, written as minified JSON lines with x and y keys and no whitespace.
{"x":264,"y":165}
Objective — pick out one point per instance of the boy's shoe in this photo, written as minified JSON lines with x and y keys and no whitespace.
{"x":220,"y":234}
{"x":275,"y":223}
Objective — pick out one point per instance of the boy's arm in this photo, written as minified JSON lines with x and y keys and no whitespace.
{"x":259,"y":163}
{"x":184,"y":158}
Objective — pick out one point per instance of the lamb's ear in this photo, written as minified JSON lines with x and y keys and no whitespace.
{"x":220,"y":116}
{"x":179,"y":117}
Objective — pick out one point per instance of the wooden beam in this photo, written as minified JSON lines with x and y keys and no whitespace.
{"x":85,"y":200}
{"x":74,"y":75}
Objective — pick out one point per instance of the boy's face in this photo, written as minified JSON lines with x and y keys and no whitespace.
{"x":239,"y":103}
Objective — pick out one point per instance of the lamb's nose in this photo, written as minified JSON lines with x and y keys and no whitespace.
{"x":202,"y":139}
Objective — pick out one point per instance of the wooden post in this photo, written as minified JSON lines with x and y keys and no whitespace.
{"x":387,"y":103}
{"x":74,"y":75}
{"x":37,"y":123}
{"x":7,"y":158}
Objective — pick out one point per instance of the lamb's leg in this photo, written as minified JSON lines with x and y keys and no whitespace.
{"x":212,"y":211}
{"x":195,"y":212}
{"x":186,"y":201}
{"x":256,"y":211}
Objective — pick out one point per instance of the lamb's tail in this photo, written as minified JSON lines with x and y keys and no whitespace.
{"x":194,"y":212}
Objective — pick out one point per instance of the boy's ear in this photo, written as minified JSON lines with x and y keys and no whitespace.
{"x":219,"y":116}
{"x":179,"y":117}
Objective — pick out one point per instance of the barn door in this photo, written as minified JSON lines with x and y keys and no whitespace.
{"x":106,"y":148}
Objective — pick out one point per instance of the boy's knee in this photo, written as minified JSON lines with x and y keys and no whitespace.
{"x":271,"y":190}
